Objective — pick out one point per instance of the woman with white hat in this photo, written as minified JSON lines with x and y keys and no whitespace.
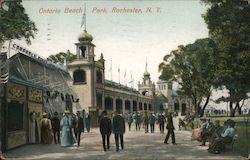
{"x":67,"y":136}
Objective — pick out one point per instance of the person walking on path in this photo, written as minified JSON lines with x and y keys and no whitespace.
{"x":130,"y":120}
{"x":67,"y":138}
{"x":161,"y":121}
{"x":46,"y":135}
{"x":105,"y":129}
{"x":152,"y":122}
{"x":79,"y":127}
{"x":55,"y":122}
{"x":146,"y":122}
{"x":87,"y":121}
{"x":137,"y":121}
{"x":118,"y":130}
{"x":170,"y":128}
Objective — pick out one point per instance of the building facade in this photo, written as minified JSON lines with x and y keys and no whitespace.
{"x":97,"y":94}
{"x":35,"y":86}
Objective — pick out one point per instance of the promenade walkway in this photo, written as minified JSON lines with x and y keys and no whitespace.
{"x":138,"y":145}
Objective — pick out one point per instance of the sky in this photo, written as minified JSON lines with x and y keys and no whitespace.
{"x":126,"y":39}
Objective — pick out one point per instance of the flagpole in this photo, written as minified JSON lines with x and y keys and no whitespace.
{"x":85,"y":21}
{"x":119,"y":73}
{"x":125,"y":77}
{"x":111,"y":71}
{"x":84,"y":18}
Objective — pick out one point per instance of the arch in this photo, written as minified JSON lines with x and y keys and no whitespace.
{"x":183,"y":109}
{"x":118,"y":105}
{"x":161,"y":107}
{"x":134,"y":105}
{"x":140,"y":106}
{"x":98,"y":76}
{"x":82,"y":50}
{"x":99,"y":100}
{"x":149,"y":107}
{"x":127,"y":105}
{"x":145,"y":106}
{"x":79,"y":76}
{"x":108,"y":103}
{"x":176,"y":107}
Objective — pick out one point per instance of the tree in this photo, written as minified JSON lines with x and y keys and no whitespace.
{"x":229,"y":26}
{"x":15,"y":23}
{"x":192,"y":66}
{"x":61,"y":56}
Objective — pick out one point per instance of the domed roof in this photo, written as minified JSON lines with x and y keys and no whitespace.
{"x":85,"y":36}
{"x":146,"y":73}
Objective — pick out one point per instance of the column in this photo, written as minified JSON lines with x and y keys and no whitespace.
{"x":123,"y":105}
{"x":137,"y":105}
{"x":103,"y":101}
{"x":114,"y":104}
{"x":131,"y":106}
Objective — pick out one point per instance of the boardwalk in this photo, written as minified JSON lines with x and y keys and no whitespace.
{"x":138,"y":145}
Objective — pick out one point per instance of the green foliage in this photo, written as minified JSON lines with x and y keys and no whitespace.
{"x":59,"y":58}
{"x":229,"y":26}
{"x":193,"y":67}
{"x":15,"y":23}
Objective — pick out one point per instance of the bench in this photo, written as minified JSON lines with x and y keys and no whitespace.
{"x":231,"y":145}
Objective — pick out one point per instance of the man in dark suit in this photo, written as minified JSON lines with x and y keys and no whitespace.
{"x":79,"y":127}
{"x":105,"y":129}
{"x":55,"y":122}
{"x":207,"y":131}
{"x":161,"y":121}
{"x":118,"y":129}
{"x":170,"y":128}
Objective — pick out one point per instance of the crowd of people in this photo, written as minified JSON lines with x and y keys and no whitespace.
{"x":65,"y":131}
{"x":147,"y":121}
{"x":218,"y":136}
{"x":116,"y":125}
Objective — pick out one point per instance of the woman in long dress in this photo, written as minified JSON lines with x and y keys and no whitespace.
{"x":46,"y":134}
{"x":67,"y":138}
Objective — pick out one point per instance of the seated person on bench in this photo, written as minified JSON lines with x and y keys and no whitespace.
{"x":219,"y":144}
{"x":207,"y":131}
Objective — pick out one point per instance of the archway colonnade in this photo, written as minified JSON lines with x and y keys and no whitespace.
{"x":113,"y":99}
{"x":125,"y":105}
{"x":182,"y":106}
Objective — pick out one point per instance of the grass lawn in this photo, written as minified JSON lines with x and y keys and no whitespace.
{"x":242,"y":144}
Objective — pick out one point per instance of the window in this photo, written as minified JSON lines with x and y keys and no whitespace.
{"x":98,"y":76}
{"x":15,"y":116}
{"x":82,"y":52}
{"x":99,"y":100}
{"x":79,"y":76}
